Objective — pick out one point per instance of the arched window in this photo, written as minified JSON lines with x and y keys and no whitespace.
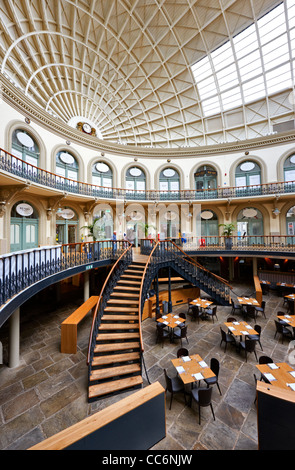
{"x":169,"y":184}
{"x":290,"y":221}
{"x":205,"y":181}
{"x":103,"y":225}
{"x":250,"y":225}
{"x":135,"y":183}
{"x":66,"y":226}
{"x":209,"y":227}
{"x":102,"y":176}
{"x":67,"y":167}
{"x":24,"y":147}
{"x":289,"y":171}
{"x":248,"y":178}
{"x":23,"y":227}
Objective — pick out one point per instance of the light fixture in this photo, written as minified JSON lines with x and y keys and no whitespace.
{"x":276,"y":211}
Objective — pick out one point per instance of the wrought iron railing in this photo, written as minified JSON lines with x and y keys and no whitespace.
{"x":267,"y":243}
{"x":22,"y":269}
{"x":20,"y":168}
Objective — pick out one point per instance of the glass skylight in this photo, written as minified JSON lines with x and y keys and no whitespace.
{"x":257,"y":62}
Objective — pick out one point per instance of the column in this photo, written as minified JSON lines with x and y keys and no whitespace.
{"x":86,"y":286}
{"x":14,"y":338}
{"x":169,"y":291}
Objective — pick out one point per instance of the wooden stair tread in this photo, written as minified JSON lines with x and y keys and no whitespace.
{"x":118,"y":326}
{"x":116,"y":336}
{"x":119,"y":301}
{"x":114,"y":386}
{"x":121,"y":309}
{"x":111,"y":347}
{"x":110,"y":317}
{"x":127,"y":288}
{"x":125,"y":281}
{"x":124,"y":294}
{"x":113,"y":358}
{"x":106,"y":373}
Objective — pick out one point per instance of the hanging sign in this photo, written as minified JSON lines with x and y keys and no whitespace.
{"x":24,"y":209}
{"x":67,"y":214}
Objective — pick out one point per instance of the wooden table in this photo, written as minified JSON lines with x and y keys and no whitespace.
{"x":265,"y":282}
{"x":284,"y":284}
{"x":171,"y":320}
{"x":280,"y":375}
{"x":248,"y":301}
{"x":189,"y":367}
{"x":290,"y":296}
{"x":289,"y":319}
{"x":202,"y":303}
{"x":240,"y":328}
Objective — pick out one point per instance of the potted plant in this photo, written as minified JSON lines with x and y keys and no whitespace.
{"x":228,"y":230}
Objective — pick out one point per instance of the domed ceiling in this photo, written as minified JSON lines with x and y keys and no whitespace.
{"x":155,"y":73}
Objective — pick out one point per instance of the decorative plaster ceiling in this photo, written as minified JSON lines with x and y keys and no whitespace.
{"x":125,"y":66}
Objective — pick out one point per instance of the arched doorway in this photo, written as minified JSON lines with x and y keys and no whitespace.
{"x":23,"y":227}
{"x":102,"y":176}
{"x":135,"y":183}
{"x":67,"y":169}
{"x":250,"y":225}
{"x":290,"y":225}
{"x":209,"y":227}
{"x":66,"y":226}
{"x":248,"y":178}
{"x":169,"y":184}
{"x":205,"y":182}
{"x":25,"y":147}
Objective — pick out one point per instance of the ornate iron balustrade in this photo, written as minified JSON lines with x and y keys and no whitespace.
{"x":22,"y":269}
{"x":20,"y":168}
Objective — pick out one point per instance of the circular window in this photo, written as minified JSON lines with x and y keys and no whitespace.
{"x":102,"y":167}
{"x":292,"y":159}
{"x":25,"y":139}
{"x":169,"y":172}
{"x":135,"y":172}
{"x":66,"y":158}
{"x":247,"y":166}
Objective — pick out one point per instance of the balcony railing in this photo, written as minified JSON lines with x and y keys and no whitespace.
{"x":266,"y":243}
{"x":20,"y":168}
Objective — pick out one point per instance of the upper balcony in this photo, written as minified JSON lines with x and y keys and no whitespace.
{"x":21,"y":170}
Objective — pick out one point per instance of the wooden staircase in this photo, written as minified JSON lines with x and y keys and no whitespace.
{"x":116,"y":364}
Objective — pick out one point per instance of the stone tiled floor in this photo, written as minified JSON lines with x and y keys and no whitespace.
{"x":47,"y":391}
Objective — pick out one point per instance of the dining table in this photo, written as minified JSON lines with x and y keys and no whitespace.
{"x":240,"y":328}
{"x":171,"y":320}
{"x":202,"y":303}
{"x":244,"y":301}
{"x":289,"y":319}
{"x":192,"y":369}
{"x":280,"y":374}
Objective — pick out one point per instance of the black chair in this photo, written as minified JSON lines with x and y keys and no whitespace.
{"x":182,"y":352}
{"x":189,"y":307}
{"x":202,"y":396}
{"x":196,"y":313}
{"x":282,"y":330}
{"x":180,"y":333}
{"x":265,"y":360}
{"x":226,"y":338}
{"x":214,"y":366}
{"x":290,"y":306}
{"x":182,"y":315}
{"x":160,"y":325}
{"x":248,"y":346}
{"x":281,"y":314}
{"x":261,"y":309}
{"x":235,"y":307}
{"x":265,"y":289}
{"x":162,"y":334}
{"x":174,"y":385}
{"x":251,"y":311}
{"x":256,"y":337}
{"x":211,"y":312}
{"x":231,"y":319}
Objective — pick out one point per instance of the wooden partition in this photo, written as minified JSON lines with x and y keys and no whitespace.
{"x":275,"y":417}
{"x":178,"y":297}
{"x":258,"y":289}
{"x":136,"y":422}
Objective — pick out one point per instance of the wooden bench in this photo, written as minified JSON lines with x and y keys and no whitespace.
{"x":70,"y":324}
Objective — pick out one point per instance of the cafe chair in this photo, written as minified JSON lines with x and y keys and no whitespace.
{"x":182,"y":352}
{"x":290,"y":306}
{"x":261,"y":309}
{"x":189,"y":307}
{"x":214,"y":366}
{"x":256,"y":337}
{"x":265,"y":360}
{"x":227,"y":338}
{"x":281,"y":314}
{"x":265,"y":289}
{"x":282,"y":330}
{"x":211,"y":312}
{"x":162,"y":334}
{"x":182,"y":315}
{"x":174,"y":385}
{"x":235,"y":307}
{"x":231,"y":319}
{"x":251,"y":311}
{"x":202,"y":396}
{"x":248,"y":346}
{"x":196,"y":313}
{"x":180,"y":333}
{"x":160,"y":325}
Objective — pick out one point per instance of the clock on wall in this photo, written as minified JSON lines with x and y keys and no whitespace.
{"x":85,"y":127}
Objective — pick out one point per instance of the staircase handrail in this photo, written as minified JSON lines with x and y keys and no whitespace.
{"x":140,"y":292}
{"x":101,"y":296}
{"x":193,"y":261}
